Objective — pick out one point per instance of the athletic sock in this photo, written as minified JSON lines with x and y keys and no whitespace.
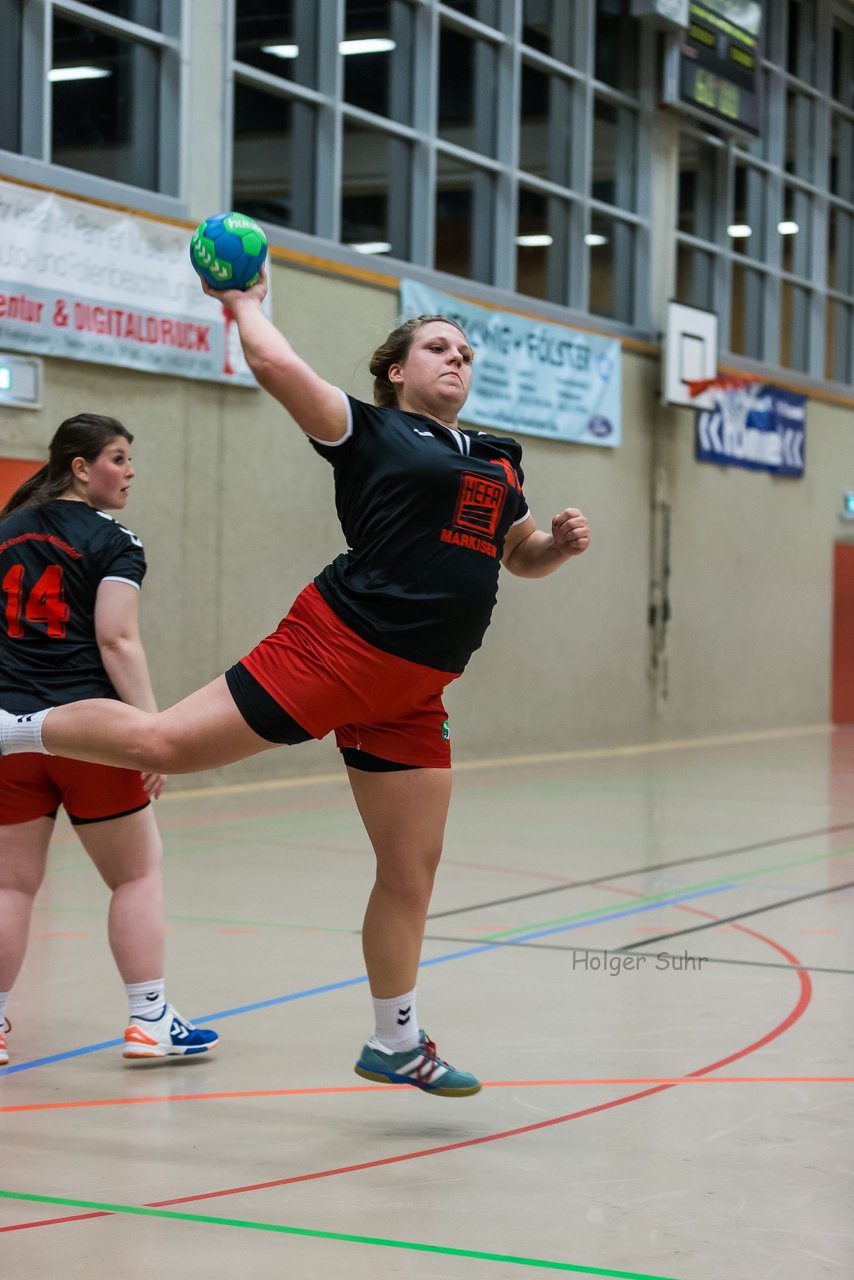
{"x":22,"y":733}
{"x":397,"y":1022}
{"x":4,"y":1000}
{"x":146,"y":999}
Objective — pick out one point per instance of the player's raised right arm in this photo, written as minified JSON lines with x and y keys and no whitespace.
{"x":314,"y":404}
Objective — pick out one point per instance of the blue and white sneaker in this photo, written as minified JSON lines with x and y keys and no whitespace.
{"x":166,"y":1036}
{"x":421,"y":1067}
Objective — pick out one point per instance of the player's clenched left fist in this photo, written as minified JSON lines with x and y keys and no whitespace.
{"x":571,"y":532}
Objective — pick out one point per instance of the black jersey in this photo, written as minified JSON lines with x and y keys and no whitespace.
{"x":52,"y":560}
{"x":425,"y":511}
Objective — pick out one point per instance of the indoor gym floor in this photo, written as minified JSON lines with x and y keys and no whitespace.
{"x":647,"y":954}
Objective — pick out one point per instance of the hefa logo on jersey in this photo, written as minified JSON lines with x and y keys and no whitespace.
{"x":446,"y":731}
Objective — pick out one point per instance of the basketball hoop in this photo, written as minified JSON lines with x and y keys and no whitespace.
{"x":721,"y":382}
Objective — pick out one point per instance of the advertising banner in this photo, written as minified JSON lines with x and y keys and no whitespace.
{"x":759,"y":427}
{"x":529,"y":377}
{"x":87,"y":283}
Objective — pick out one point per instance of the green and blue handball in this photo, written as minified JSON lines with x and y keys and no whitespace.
{"x":228,"y":251}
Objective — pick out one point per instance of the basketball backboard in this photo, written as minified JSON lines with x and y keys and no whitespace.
{"x":690,"y":354}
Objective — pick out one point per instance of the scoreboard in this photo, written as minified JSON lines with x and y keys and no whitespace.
{"x":713,"y":68}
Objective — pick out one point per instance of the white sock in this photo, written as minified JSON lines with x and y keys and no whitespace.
{"x":146,"y":999}
{"x":22,"y":733}
{"x":397,"y":1022}
{"x":4,"y":999}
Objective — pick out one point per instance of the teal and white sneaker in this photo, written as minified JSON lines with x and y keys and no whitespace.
{"x":421,"y":1067}
{"x":167,"y":1036}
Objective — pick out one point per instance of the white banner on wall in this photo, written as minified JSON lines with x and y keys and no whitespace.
{"x":87,"y":283}
{"x":529,"y":377}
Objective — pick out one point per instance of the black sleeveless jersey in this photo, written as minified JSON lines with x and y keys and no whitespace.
{"x":52,"y":560}
{"x":425,"y":511}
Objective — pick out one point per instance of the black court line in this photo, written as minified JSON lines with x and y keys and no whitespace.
{"x":655,"y":866}
{"x":567,"y":950}
{"x":742,"y":915}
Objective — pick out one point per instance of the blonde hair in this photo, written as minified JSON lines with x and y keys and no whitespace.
{"x":394,"y":350}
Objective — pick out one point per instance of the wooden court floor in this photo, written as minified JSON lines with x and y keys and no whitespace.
{"x":646,"y":954}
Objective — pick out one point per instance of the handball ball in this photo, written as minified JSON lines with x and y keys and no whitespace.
{"x":228,"y":251}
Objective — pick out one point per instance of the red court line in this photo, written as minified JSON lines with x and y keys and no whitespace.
{"x":791,"y":1018}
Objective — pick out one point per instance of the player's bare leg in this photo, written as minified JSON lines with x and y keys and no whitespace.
{"x":128,"y":853}
{"x":404,"y":815}
{"x":203,"y":731}
{"x":23,"y":859}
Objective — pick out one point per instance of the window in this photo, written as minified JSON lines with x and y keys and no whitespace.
{"x":373,"y":207}
{"x":780,"y":275}
{"x":104,"y":104}
{"x":376,"y":54}
{"x":273,"y":159}
{"x":432,"y":132}
{"x":467,"y":106}
{"x":109,"y":106}
{"x":464,"y":197}
{"x":10,"y":75}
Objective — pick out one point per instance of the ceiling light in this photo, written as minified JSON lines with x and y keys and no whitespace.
{"x":366,"y":46}
{"x":59,"y":74}
{"x":595,"y":240}
{"x":788,"y":228}
{"x":372,"y":246}
{"x":739,"y":230}
{"x":534,"y":241}
{"x":346,"y":47}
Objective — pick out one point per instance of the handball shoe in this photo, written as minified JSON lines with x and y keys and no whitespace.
{"x":4,"y":1052}
{"x":421,"y":1067}
{"x":166,"y":1036}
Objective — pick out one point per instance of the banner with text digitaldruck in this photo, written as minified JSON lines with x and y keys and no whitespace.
{"x":87,"y":283}
{"x":529,"y":377}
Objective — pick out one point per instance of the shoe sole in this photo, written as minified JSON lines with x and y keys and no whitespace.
{"x":389,"y":1077}
{"x":160,"y":1051}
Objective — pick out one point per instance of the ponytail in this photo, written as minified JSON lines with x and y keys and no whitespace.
{"x":83,"y":436}
{"x":25,"y":492}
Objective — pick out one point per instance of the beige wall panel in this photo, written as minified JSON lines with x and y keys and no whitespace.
{"x":236,"y":512}
{"x":751,"y":559}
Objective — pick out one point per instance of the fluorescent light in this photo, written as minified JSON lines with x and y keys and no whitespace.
{"x":534,"y":242}
{"x":788,"y":228}
{"x":595,"y":240}
{"x":372,"y":246}
{"x":739,"y":230}
{"x":346,"y":47}
{"x":366,"y":46}
{"x":59,"y":74}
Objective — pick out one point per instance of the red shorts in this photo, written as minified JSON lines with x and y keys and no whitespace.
{"x":34,"y":786}
{"x":326,"y":677}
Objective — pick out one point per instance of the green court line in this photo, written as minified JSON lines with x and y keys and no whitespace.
{"x":671,"y":893}
{"x":377,"y":1241}
{"x":590,"y":914}
{"x":101,"y":912}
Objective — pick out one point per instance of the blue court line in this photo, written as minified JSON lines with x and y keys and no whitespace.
{"x":479,"y":949}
